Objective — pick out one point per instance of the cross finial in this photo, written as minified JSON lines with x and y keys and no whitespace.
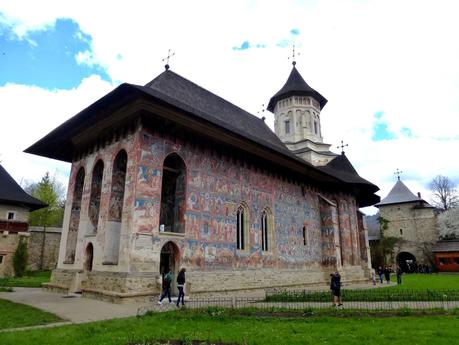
{"x":293,"y":55}
{"x":169,"y":55}
{"x":262,"y":111}
{"x":342,"y":146}
{"x":398,"y":173}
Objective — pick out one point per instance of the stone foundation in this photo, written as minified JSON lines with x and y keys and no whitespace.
{"x":128,"y":287}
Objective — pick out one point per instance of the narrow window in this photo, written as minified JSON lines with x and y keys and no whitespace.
{"x":1,"y":259}
{"x":401,"y":232}
{"x":264,"y":231}
{"x":305,"y":238}
{"x":287,"y":127}
{"x":118,"y":185}
{"x":72,"y":234}
{"x":240,"y":228}
{"x":315,"y":127}
{"x":11,"y":215}
{"x":96,"y":190}
{"x":173,"y":190}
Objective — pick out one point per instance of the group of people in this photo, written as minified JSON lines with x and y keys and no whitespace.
{"x":167,"y":281}
{"x":385,"y":273}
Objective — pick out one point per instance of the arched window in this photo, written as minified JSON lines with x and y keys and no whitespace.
{"x":115,"y":211}
{"x":96,"y":189}
{"x":72,"y":234}
{"x":305,"y":236}
{"x":240,"y":228}
{"x":264,"y":231}
{"x":173,"y":190}
{"x":118,"y":185}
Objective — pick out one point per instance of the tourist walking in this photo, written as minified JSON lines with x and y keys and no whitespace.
{"x":335,"y":287}
{"x":167,"y":280}
{"x":373,"y":277}
{"x":380,"y":272}
{"x":181,"y":286}
{"x":399,"y":275}
{"x":387,"y":274}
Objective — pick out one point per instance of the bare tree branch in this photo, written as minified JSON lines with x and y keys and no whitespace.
{"x":444,"y":191}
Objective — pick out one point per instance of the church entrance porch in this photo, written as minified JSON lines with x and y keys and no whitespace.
{"x":170,"y":260}
{"x":407,"y":262}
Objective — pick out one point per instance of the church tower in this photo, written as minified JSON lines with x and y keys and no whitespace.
{"x":296,"y":107}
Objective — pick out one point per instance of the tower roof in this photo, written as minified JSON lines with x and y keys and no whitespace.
{"x":296,"y":85}
{"x":12,"y":194}
{"x":399,"y":194}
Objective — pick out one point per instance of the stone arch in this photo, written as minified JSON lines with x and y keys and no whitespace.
{"x":169,"y":260}
{"x":72,"y":234}
{"x":173,"y":194}
{"x":407,"y":262}
{"x":96,"y":191}
{"x":115,"y":211}
{"x":88,"y":257}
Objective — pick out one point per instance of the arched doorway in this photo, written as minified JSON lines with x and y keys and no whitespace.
{"x":407,"y":262}
{"x":169,"y":260}
{"x":88,"y":257}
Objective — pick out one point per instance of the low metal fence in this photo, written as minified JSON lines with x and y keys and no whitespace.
{"x":304,"y":300}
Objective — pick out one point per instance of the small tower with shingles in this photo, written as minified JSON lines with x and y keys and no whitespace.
{"x":296,"y":107}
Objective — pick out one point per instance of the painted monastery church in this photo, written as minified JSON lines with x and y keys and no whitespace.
{"x":170,"y":175}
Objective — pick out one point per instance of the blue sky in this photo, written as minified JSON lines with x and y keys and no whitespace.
{"x":394,"y":101}
{"x":47,"y":57}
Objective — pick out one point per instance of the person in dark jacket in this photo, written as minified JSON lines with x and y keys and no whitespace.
{"x":399,"y":275}
{"x":387,"y":274}
{"x":181,"y":286}
{"x":335,"y":287}
{"x":167,"y":280}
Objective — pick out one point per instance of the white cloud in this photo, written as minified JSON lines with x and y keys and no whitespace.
{"x":393,"y":56}
{"x":30,"y":113}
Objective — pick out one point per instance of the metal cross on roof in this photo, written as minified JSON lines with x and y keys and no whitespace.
{"x":398,"y":173}
{"x":342,"y":146}
{"x":293,"y":55}
{"x":169,"y":55}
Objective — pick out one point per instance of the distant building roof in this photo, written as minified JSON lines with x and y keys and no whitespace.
{"x":296,"y":86}
{"x":12,"y":194}
{"x":400,"y":194}
{"x":446,"y":246}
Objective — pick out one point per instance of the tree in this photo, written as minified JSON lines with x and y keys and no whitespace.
{"x":20,"y":258}
{"x":382,"y":250}
{"x":448,"y":224}
{"x":444,"y":191}
{"x":50,"y":191}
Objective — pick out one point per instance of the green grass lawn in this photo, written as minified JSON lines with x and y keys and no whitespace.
{"x":14,"y":315}
{"x":30,"y":279}
{"x":230,"y":328}
{"x":435,"y":281}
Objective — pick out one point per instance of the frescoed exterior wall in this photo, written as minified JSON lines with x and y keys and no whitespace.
{"x":216,"y":184}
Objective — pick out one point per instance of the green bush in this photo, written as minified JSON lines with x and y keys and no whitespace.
{"x":20,"y":258}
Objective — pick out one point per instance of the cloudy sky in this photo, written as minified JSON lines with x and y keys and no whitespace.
{"x":389,"y":69}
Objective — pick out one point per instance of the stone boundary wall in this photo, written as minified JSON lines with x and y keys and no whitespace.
{"x":43,"y":248}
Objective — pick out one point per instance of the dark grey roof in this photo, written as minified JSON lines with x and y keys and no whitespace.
{"x":446,"y":246}
{"x":12,"y":194}
{"x":399,"y":194}
{"x":196,"y":102}
{"x":296,"y":86}
{"x":191,"y":97}
{"x":342,"y":168}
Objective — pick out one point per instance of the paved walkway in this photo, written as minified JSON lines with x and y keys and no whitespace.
{"x":72,"y":308}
